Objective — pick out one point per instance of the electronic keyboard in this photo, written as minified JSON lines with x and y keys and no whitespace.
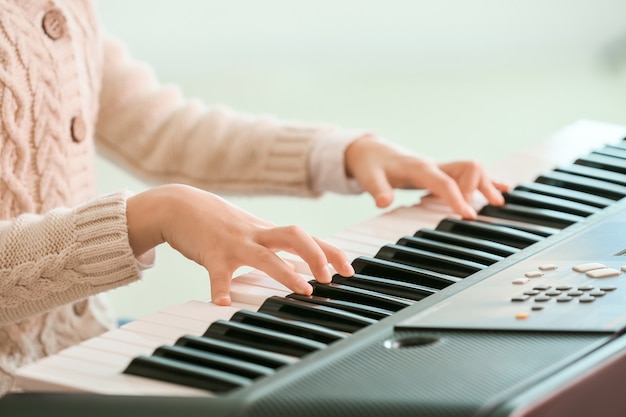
{"x":517,"y":313}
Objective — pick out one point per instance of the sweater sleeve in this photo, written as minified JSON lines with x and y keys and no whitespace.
{"x":63,"y":256}
{"x":160,"y":136}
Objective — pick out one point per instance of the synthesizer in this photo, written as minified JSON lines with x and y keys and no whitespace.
{"x":520,"y":312}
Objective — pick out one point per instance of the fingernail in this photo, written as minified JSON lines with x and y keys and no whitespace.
{"x":349,"y":269}
{"x":470,"y":213}
{"x":222,"y":300}
{"x":305,"y":288}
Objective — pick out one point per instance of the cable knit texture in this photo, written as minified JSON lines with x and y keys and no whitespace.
{"x":65,"y":87}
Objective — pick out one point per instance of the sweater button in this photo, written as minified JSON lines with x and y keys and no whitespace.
{"x":54,"y":24}
{"x":79,"y":129}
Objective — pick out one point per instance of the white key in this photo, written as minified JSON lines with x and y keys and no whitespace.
{"x":62,"y":373}
{"x":206,"y":311}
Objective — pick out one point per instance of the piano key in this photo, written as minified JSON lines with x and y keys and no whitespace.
{"x":588,"y":185}
{"x":398,"y":223}
{"x":535,"y":229}
{"x":400,"y":272}
{"x":594,"y":173}
{"x":540,"y":216}
{"x":166,"y":328}
{"x":487,"y":246}
{"x":429,"y":260}
{"x":365,"y":314}
{"x":261,"y":338}
{"x":109,"y":357}
{"x":608,"y":163}
{"x":619,"y":145}
{"x":354,"y":236}
{"x":133,"y":338}
{"x":212,"y":360}
{"x":386,"y":286}
{"x":237,"y":351}
{"x":187,"y":324}
{"x":353,"y":249}
{"x":205,"y":311}
{"x":165,"y":333}
{"x":492,"y":232}
{"x":178,"y":372}
{"x":115,"y":355}
{"x":65,"y":374}
{"x":613,"y":150}
{"x":313,"y":310}
{"x":253,"y":288}
{"x":294,"y":327}
{"x":450,"y":249}
{"x":102,"y":344}
{"x":566,"y":194}
{"x":358,"y":295}
{"x":530,"y":199}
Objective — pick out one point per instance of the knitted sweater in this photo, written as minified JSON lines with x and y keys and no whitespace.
{"x":65,"y":88}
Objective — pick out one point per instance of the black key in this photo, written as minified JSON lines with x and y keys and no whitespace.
{"x":594,"y":173}
{"x":234,"y":350}
{"x":542,"y":217}
{"x":177,"y":372}
{"x":315,"y":310}
{"x":296,"y":328}
{"x":487,"y":246}
{"x":530,"y":199}
{"x":534,"y":229}
{"x":383,"y":268}
{"x":612,"y":150}
{"x":386,"y":286}
{"x":609,"y":163}
{"x":469,"y":254}
{"x":261,"y":338}
{"x":588,"y":185}
{"x":620,"y":145}
{"x":566,"y":194}
{"x":362,"y":310}
{"x":358,"y":295}
{"x":429,"y":260}
{"x":493,"y":232}
{"x":213,"y":361}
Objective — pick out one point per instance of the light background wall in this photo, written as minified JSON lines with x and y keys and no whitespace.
{"x":449,"y":78}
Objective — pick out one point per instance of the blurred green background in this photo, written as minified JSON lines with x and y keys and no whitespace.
{"x":452,"y":79}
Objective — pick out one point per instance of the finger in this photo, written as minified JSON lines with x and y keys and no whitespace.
{"x":469,"y":182}
{"x":298,"y":242}
{"x":220,"y":286}
{"x":501,"y":186}
{"x":439,"y":183}
{"x":489,"y":189}
{"x":269,"y":262}
{"x":337,"y":258}
{"x":375,"y":182}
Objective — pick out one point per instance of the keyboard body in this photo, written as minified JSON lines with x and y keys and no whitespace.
{"x":478,"y":347}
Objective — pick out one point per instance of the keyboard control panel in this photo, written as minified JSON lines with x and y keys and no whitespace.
{"x":576,"y":283}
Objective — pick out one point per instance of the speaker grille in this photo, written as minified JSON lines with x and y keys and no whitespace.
{"x":457,"y":375}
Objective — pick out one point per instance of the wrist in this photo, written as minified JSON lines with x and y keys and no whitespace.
{"x":145,"y":217}
{"x":355,"y":152}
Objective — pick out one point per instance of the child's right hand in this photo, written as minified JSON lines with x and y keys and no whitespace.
{"x":222,"y":237}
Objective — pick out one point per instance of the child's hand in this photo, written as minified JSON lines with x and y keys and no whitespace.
{"x":222,"y":237}
{"x":379,"y":168}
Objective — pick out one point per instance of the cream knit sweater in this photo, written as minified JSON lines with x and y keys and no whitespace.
{"x":65,"y":87}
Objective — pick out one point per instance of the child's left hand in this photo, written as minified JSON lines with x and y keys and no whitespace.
{"x":379,"y":168}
